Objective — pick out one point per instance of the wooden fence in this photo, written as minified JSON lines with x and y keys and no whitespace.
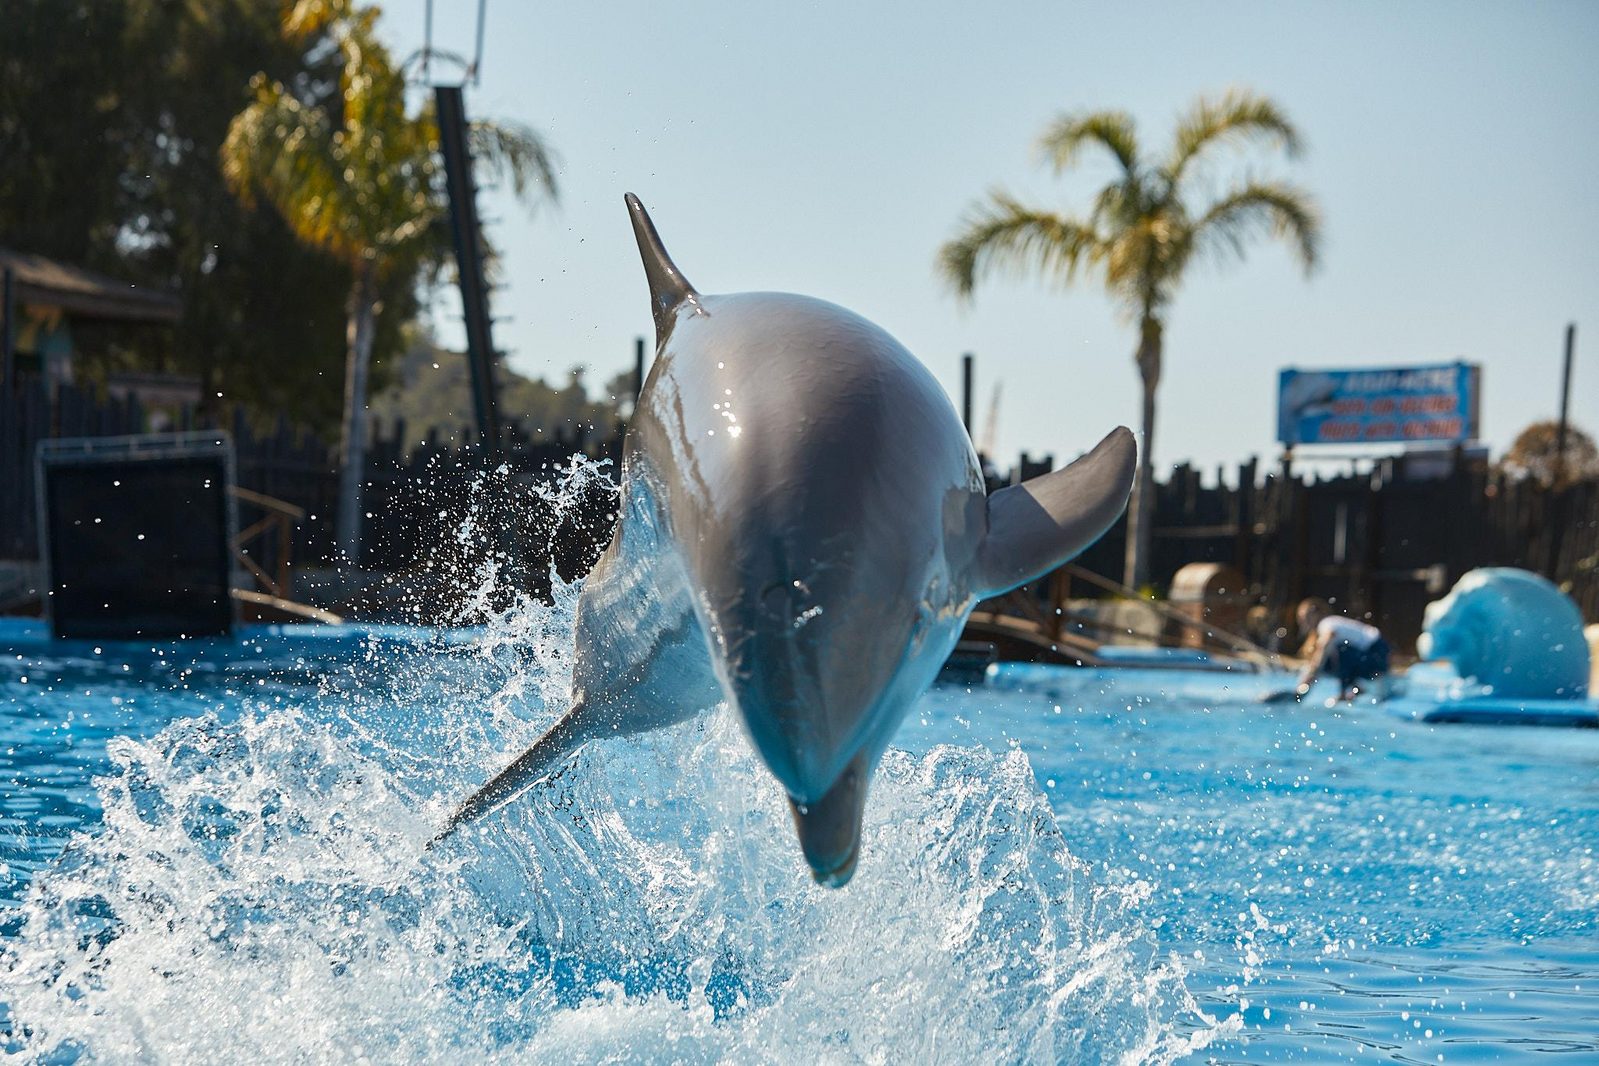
{"x":1382,"y":545}
{"x":417,"y":495}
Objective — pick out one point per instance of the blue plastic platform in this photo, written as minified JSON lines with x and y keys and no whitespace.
{"x":315,"y":640}
{"x":1486,"y":710}
{"x":1177,"y":658}
{"x":1435,"y":694}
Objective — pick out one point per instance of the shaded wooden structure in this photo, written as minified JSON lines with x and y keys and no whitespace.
{"x":1041,"y":623}
{"x":41,"y":283}
{"x":419,"y":493}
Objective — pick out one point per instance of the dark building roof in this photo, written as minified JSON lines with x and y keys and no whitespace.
{"x":86,"y":294}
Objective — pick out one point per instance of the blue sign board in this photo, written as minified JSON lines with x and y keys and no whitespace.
{"x":1379,"y":405}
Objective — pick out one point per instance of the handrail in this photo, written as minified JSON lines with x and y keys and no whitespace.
{"x":281,"y":516}
{"x":1233,"y":640}
{"x":267,"y":503}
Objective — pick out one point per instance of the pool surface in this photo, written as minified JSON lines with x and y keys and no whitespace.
{"x":213,"y":853}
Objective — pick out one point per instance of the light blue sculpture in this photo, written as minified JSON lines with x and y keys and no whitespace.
{"x":804,"y":531}
{"x":1512,"y":632}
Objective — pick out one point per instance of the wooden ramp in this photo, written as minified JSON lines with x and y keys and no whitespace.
{"x":264,"y":607}
{"x":1022,"y":640}
{"x":1021,"y":627}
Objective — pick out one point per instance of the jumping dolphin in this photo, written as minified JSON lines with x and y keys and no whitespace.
{"x":803,"y":532}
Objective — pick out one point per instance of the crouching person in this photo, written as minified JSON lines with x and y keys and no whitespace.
{"x":1353,"y":652}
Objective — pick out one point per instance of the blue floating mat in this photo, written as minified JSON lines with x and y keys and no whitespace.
{"x":1434,"y":693}
{"x":1183,"y":658}
{"x":1133,"y":655}
{"x":1488,"y":710}
{"x":32,"y":637}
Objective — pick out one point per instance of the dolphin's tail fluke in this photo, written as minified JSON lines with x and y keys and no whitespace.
{"x":517,"y":778}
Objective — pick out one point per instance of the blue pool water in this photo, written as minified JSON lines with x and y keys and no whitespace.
{"x":213,"y":853}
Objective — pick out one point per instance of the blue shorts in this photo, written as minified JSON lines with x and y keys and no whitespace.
{"x":1350,"y":664}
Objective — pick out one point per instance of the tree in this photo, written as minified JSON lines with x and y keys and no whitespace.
{"x":432,"y":392}
{"x":123,"y":175}
{"x":1534,"y":454}
{"x":1140,"y":235}
{"x":355,"y":174}
{"x":259,"y":306}
{"x":61,"y":68}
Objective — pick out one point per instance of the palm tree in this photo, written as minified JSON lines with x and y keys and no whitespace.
{"x":1142,"y":231}
{"x":354,"y":173}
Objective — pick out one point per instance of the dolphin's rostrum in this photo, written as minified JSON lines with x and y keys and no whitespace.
{"x":803,"y":532}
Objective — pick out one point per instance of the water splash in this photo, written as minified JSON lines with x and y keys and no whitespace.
{"x":258,"y":891}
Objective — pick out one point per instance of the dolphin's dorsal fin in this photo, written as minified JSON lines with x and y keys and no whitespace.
{"x":1037,"y":525}
{"x":668,"y":287}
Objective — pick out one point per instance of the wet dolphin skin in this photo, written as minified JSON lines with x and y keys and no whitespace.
{"x":804,"y":530}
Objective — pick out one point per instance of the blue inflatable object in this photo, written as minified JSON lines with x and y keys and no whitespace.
{"x":1182,"y":658}
{"x":1515,"y":652}
{"x":1511,"y":632}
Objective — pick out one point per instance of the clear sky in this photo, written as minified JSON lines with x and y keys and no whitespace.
{"x":830,"y":148}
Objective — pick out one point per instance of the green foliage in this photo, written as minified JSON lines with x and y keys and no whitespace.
{"x":355,"y":174}
{"x":1146,"y":225}
{"x":63,"y":78}
{"x":1063,"y":142}
{"x":432,"y":391}
{"x":352,"y":171}
{"x":1235,"y":117}
{"x":112,"y":115}
{"x":352,"y":174}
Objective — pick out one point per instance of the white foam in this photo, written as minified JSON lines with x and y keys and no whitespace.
{"x":264,"y":885}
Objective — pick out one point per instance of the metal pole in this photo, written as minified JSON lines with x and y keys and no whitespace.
{"x":8,"y":334}
{"x":10,"y":418}
{"x":477,"y":58}
{"x":1560,"y":502}
{"x":966,"y":392}
{"x":427,"y":44}
{"x":1565,"y":404}
{"x":468,"y":235}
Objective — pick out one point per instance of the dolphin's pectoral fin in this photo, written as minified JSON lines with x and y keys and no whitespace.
{"x":563,"y":737}
{"x":1037,"y":525}
{"x":640,"y":660}
{"x":830,"y":828}
{"x":668,"y":287}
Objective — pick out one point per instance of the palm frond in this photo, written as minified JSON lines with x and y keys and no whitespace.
{"x":1237,"y":116}
{"x":303,"y":18}
{"x":1064,"y":139}
{"x":514,"y":152}
{"x":1143,"y":263}
{"x":1255,"y":209}
{"x":280,"y":149}
{"x":360,"y":179}
{"x":1004,"y":234}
